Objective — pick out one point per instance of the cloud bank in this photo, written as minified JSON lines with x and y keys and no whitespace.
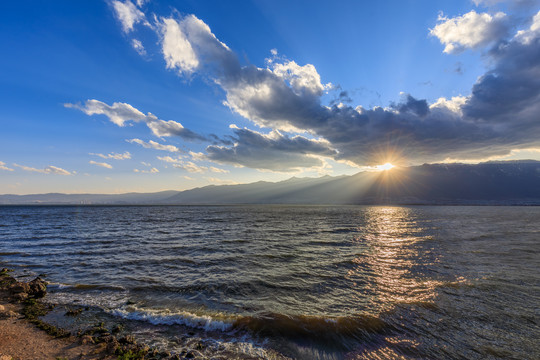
{"x":501,"y":113}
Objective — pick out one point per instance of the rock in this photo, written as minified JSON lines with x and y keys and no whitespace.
{"x":107,"y":338}
{"x":72,"y":312}
{"x":86,"y":339}
{"x":38,"y":288}
{"x":2,"y":308}
{"x":100,"y":348}
{"x":128,"y":339}
{"x":117,"y":328}
{"x":112,"y":346}
{"x":20,"y":297}
{"x":6,"y":281}
{"x":8,"y":314}
{"x":19,"y":287}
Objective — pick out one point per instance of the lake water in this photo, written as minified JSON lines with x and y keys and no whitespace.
{"x":301,"y":282}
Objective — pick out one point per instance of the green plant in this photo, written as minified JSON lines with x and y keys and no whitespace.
{"x":132,"y":355}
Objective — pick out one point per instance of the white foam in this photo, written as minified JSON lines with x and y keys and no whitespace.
{"x":157,"y":317}
{"x":59,"y":285}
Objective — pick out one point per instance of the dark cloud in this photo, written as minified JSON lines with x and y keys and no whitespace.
{"x":502,"y":112}
{"x":418,"y":107}
{"x":509,"y":94}
{"x":342,"y":97}
{"x":274,"y":151}
{"x":172,"y":128}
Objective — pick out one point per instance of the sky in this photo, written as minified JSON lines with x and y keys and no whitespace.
{"x":122,"y":96}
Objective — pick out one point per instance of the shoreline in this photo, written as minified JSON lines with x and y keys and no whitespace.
{"x":24,"y":336}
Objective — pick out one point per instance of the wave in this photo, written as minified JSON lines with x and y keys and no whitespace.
{"x":163,"y":317}
{"x":10,"y":253}
{"x":86,"y":286}
{"x":318,"y":328}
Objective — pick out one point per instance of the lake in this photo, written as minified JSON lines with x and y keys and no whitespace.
{"x":301,"y":282}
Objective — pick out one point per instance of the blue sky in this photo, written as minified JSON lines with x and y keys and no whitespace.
{"x":120,"y":96}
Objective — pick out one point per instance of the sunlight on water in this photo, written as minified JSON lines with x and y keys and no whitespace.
{"x":390,"y":258}
{"x":305,"y":282}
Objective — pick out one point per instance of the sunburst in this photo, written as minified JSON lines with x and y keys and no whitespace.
{"x":385,"y":167}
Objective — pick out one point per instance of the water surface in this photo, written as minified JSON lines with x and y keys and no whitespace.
{"x":306,"y":282}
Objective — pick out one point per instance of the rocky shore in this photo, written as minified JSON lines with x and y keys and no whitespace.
{"x":25,"y":336}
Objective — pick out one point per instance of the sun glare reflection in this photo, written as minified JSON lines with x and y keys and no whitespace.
{"x":392,"y":237}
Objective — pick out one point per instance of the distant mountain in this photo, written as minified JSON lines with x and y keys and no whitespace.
{"x":504,"y":183}
{"x":56,"y":198}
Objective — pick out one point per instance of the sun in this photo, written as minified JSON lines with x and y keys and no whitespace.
{"x":384,"y":167}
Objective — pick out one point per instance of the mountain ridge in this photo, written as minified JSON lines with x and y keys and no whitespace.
{"x":494,"y":182}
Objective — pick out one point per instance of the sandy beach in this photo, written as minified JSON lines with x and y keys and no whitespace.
{"x":24,"y":336}
{"x":21,"y":340}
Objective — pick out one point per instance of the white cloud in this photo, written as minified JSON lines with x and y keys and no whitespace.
{"x":218,"y":170}
{"x":126,"y":155}
{"x":176,"y":48}
{"x":102,"y":164}
{"x":154,"y":145}
{"x":122,"y":113}
{"x":151,"y":171}
{"x":118,"y":113}
{"x":301,"y":78}
{"x":4,"y":167}
{"x":170,"y":160}
{"x":471,"y":30}
{"x":187,"y":42}
{"x":138,"y":46}
{"x":218,"y":181}
{"x":453,"y":105}
{"x":527,"y":36}
{"x":162,"y":128}
{"x":128,"y":14}
{"x":47,"y":170}
{"x":178,"y":163}
{"x":190,"y":166}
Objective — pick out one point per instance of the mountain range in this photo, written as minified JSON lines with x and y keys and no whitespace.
{"x":489,"y":183}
